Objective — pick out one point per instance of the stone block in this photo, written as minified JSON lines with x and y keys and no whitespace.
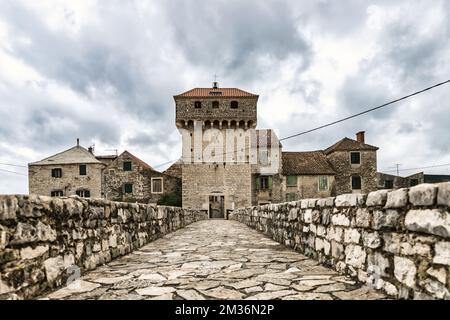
{"x":432,"y":221}
{"x":378,"y":265}
{"x":54,"y":268}
{"x":346,"y":200}
{"x":423,"y":194}
{"x":335,"y":233}
{"x":405,"y":271}
{"x":439,"y":274}
{"x":351,"y":236}
{"x":397,"y":199}
{"x":312,"y":203}
{"x":371,"y":240}
{"x":25,"y":233}
{"x":377,"y":198}
{"x":443,"y":196}
{"x":363,"y":218}
{"x":325,"y":218}
{"x":340,"y":220}
{"x":304,"y":204}
{"x":337,"y":250}
{"x":325,"y":202}
{"x":442,"y":253}
{"x":9,"y":205}
{"x":385,"y":219}
{"x":28,"y":253}
{"x":435,"y":288}
{"x":355,"y":256}
{"x":307,"y":216}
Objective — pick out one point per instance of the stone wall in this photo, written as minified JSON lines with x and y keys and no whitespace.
{"x":41,"y":180}
{"x":397,"y":241}
{"x":44,"y":241}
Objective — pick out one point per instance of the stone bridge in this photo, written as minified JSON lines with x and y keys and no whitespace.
{"x":335,"y":248}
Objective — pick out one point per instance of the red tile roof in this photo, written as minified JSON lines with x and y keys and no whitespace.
{"x":214,"y":93}
{"x":348,"y":144}
{"x":306,"y":163}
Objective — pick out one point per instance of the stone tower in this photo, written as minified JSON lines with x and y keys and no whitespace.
{"x":215,"y":124}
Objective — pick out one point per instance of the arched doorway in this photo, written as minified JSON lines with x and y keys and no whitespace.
{"x":216,"y":206}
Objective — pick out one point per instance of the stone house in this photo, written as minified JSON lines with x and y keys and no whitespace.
{"x":389,"y":181}
{"x":75,"y":171}
{"x":128,"y":178}
{"x":355,"y":164}
{"x":307,"y":175}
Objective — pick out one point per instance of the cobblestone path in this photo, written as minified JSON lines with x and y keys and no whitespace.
{"x":214,"y":259}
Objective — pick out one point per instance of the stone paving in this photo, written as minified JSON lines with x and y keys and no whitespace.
{"x":214,"y":259}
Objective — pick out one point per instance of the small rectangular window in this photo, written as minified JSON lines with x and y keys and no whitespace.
{"x":355,"y":158}
{"x":82,"y":169}
{"x":57,"y":173}
{"x":127,"y":166}
{"x":157,"y":185}
{"x":197,"y":104}
{"x":128,"y":188}
{"x":57,"y":193}
{"x":234,"y":105}
{"x":389,"y":184}
{"x":266,"y":182}
{"x":215,"y":104}
{"x":291,"y":181}
{"x":356,"y":183}
{"x":323,"y":183}
{"x":83,"y":193}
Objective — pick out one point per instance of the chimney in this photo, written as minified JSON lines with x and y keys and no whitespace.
{"x":78,"y":142}
{"x":91,"y":150}
{"x":360,"y":137}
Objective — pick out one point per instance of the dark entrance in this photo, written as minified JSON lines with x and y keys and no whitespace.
{"x":216,"y":207}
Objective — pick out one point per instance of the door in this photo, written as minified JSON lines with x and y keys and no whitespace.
{"x":216,"y":207}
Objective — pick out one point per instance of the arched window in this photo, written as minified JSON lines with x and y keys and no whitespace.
{"x":234,"y":104}
{"x":215,"y":104}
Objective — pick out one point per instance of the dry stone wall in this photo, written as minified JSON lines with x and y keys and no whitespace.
{"x":45,"y":242}
{"x":397,"y":241}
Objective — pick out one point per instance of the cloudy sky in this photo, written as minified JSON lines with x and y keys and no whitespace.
{"x":106,"y":71}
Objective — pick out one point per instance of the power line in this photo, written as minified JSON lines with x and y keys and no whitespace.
{"x":18,"y":173}
{"x":419,"y":168}
{"x":12,"y":165}
{"x":366,"y":111}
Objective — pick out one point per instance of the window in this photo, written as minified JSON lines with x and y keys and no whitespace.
{"x":291,"y":197}
{"x":323,"y":183}
{"x":127,"y":166}
{"x":157,"y":185}
{"x":112,"y":171}
{"x":57,"y":173}
{"x":291,"y":181}
{"x":355,"y":158}
{"x":234,"y":104}
{"x":389,"y":184}
{"x":264,"y":183}
{"x":82,"y":169}
{"x":84,"y":193}
{"x":128,"y":188}
{"x":356,"y":183}
{"x":215,"y":104}
{"x":57,"y":193}
{"x":413,"y":182}
{"x":197,"y":104}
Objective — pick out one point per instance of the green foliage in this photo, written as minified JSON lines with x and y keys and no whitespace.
{"x":170,"y":199}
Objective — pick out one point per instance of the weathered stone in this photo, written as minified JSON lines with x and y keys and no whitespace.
{"x":111,"y":280}
{"x":245,"y":284}
{"x":337,"y":250}
{"x":325,"y":202}
{"x":385,"y":219}
{"x":271,"y":295}
{"x":371,"y":240}
{"x":9,"y":205}
{"x":152,"y":277}
{"x":363,"y":218}
{"x":308,"y":296}
{"x":223,"y":293}
{"x":355,"y":255}
{"x":28,"y":253}
{"x":351,"y":236}
{"x":78,"y":286}
{"x":442,"y":253}
{"x":346,"y":200}
{"x":340,"y":220}
{"x":438,"y":273}
{"x":190,"y":295}
{"x":54,"y":267}
{"x":443,"y":196}
{"x":335,"y":233}
{"x":435,"y":288}
{"x":423,"y":194}
{"x":377,"y":198}
{"x":155,"y":291}
{"x":397,"y":199}
{"x":377,"y":264}
{"x":405,"y":271}
{"x":431,"y":221}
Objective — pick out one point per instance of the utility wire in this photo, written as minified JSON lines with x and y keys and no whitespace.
{"x":437,"y":166}
{"x":18,"y":173}
{"x":344,"y":119}
{"x":12,"y":165}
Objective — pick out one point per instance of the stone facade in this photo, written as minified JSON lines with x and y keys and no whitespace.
{"x":307,"y":186}
{"x":389,"y":181}
{"x":367,"y":171}
{"x":396,"y":241}
{"x":139,"y":177}
{"x":46,"y":242}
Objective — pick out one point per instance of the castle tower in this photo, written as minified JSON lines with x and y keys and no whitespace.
{"x":215,"y":124}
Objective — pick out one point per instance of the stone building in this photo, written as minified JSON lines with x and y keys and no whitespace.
{"x":307,"y":175}
{"x":355,"y":164}
{"x":75,"y":171}
{"x":389,"y":181}
{"x":128,"y":178}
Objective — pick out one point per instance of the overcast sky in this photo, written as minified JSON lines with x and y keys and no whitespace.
{"x":106,"y":72}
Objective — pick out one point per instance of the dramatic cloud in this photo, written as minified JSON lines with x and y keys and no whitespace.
{"x":106,"y":71}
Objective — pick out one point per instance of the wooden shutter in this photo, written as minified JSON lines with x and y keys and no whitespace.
{"x":270,"y":182}
{"x":258,"y":183}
